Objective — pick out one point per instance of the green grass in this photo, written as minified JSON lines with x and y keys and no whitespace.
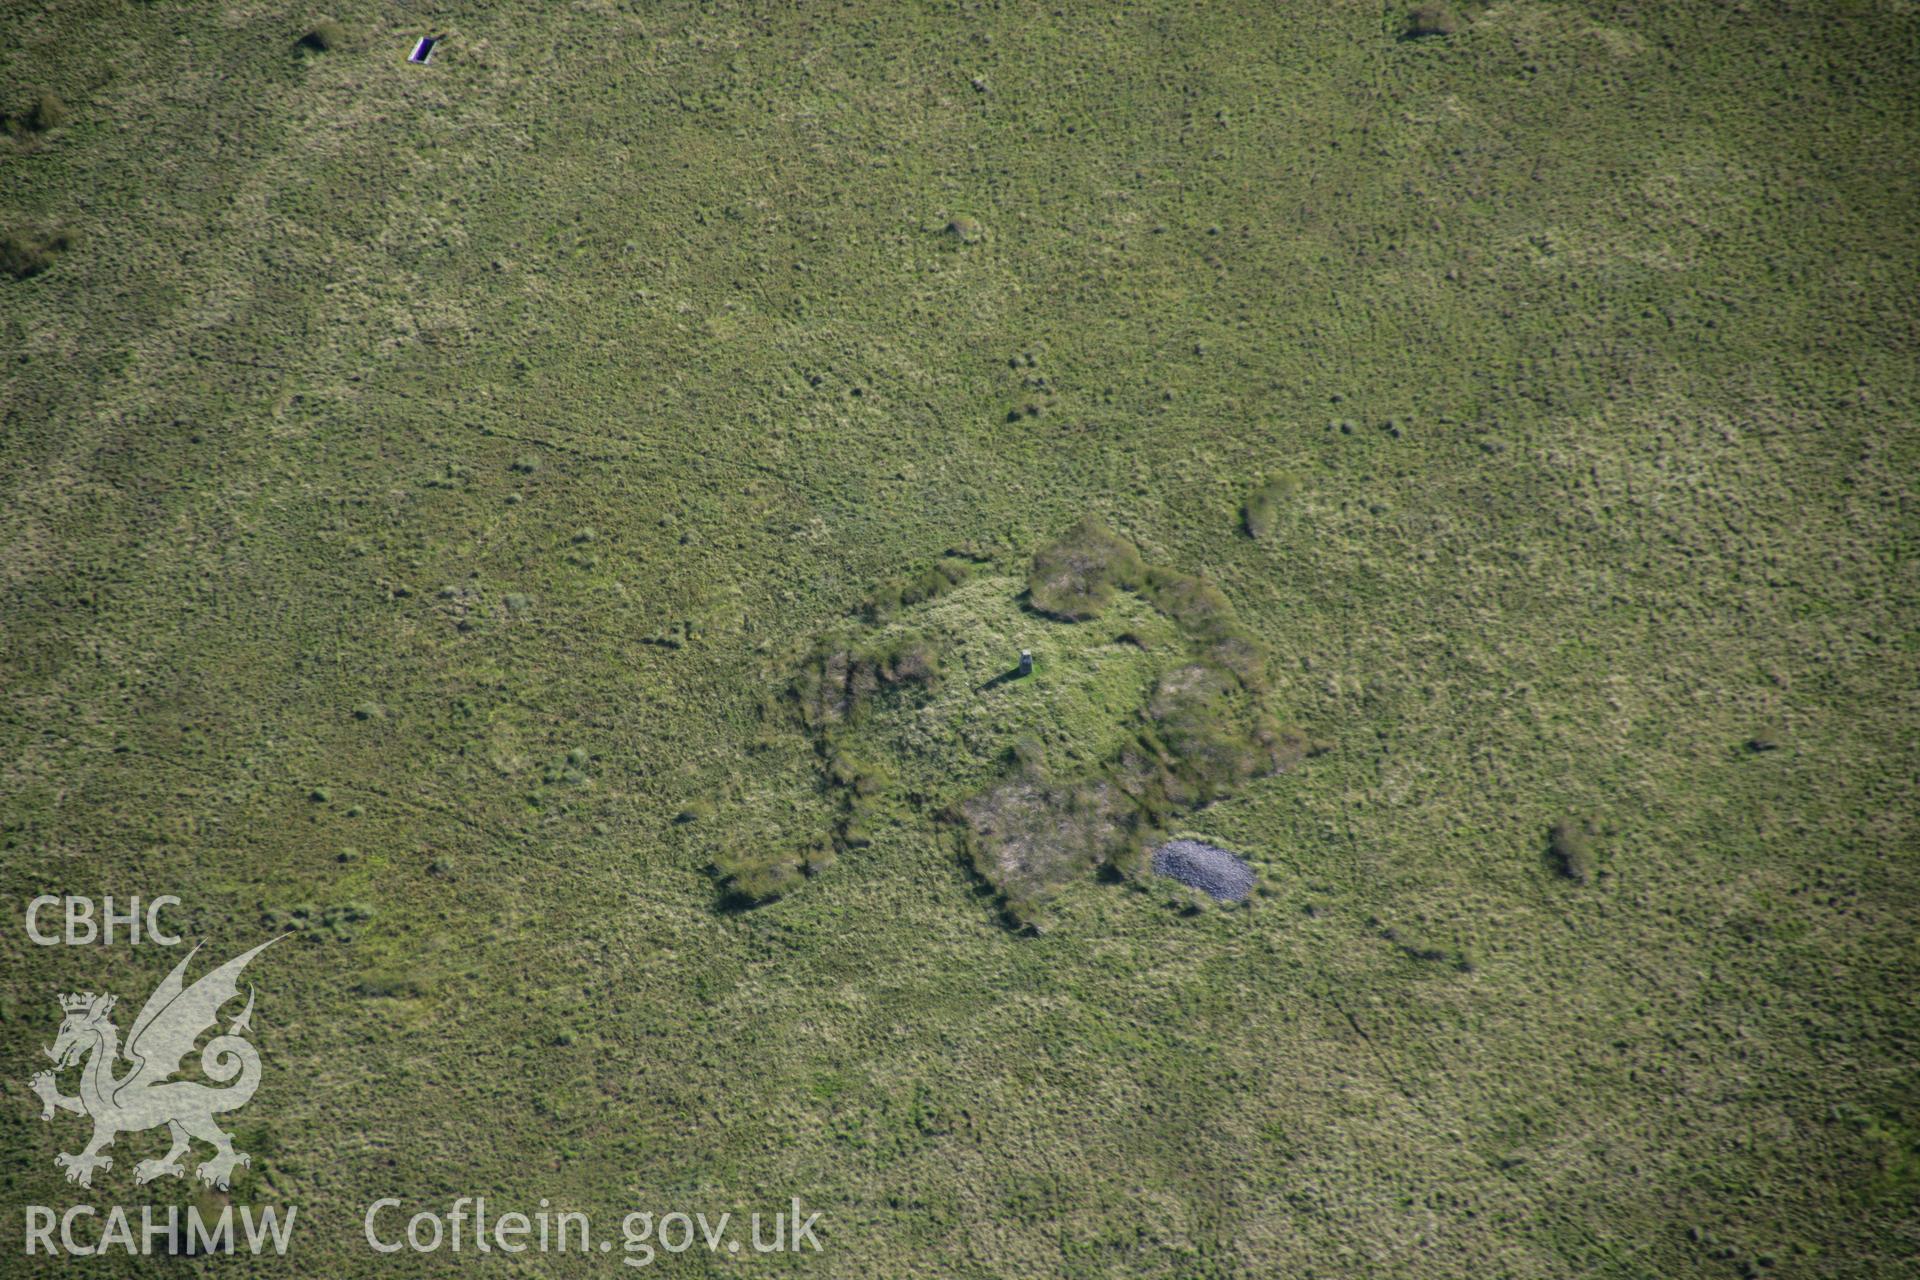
{"x":1586,"y":331}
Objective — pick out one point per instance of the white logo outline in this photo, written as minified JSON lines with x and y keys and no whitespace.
{"x":146,"y":1097}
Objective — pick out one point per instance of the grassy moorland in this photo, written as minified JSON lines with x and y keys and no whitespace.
{"x":419,"y":488}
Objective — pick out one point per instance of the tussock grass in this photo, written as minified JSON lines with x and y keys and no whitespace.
{"x":24,"y":255}
{"x":325,"y":35}
{"x":47,"y":112}
{"x":1264,"y":505}
{"x":1570,"y":847}
{"x":1431,"y":20}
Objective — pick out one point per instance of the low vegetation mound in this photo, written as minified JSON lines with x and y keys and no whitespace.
{"x":839,"y":680}
{"x":1570,"y":849}
{"x":1264,"y":504}
{"x":1145,"y":701}
{"x":23,"y":255}
{"x":1029,"y":833}
{"x":838,"y":685}
{"x":1074,"y":577}
{"x":942,"y":576}
{"x":326,"y":35}
{"x":47,"y":112}
{"x":760,"y":871}
{"x":1431,"y":20}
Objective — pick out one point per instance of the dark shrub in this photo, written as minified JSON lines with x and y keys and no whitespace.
{"x":1431,"y":20}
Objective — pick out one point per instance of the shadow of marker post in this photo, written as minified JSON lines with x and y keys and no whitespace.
{"x":1025,"y":668}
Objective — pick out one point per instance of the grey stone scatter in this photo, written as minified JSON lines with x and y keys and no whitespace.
{"x":1217,"y":873}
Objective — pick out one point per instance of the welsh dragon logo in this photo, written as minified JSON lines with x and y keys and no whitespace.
{"x":145,"y":1096}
